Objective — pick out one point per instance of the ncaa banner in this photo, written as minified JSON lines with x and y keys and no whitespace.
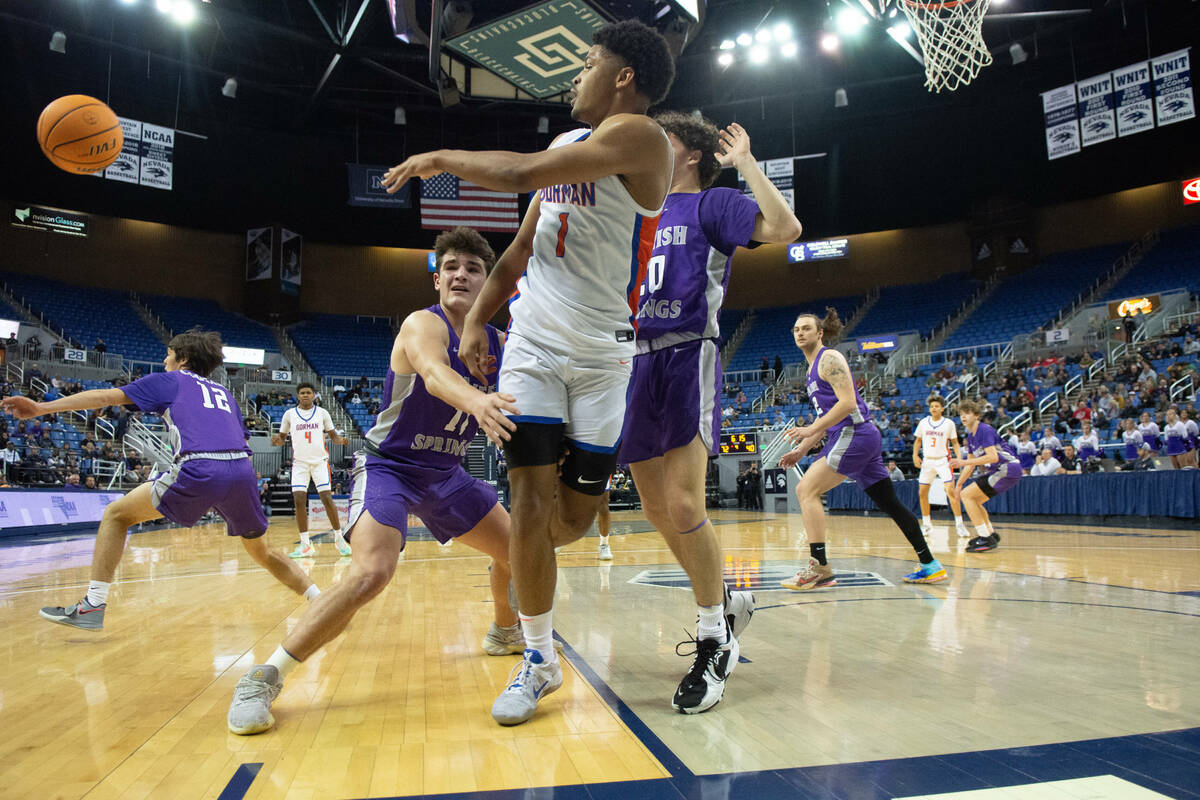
{"x":158,"y":147}
{"x":1062,"y":121}
{"x":366,"y":188}
{"x":128,"y":165}
{"x":1135,"y":104}
{"x":1173,"y":87}
{"x":1097,"y":121}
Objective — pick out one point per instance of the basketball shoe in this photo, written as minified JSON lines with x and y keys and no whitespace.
{"x":250,"y":711}
{"x":704,"y":685}
{"x":933,"y":572}
{"x":504,"y":641}
{"x":605,"y":553}
{"x":739,"y":608}
{"x":963,"y":533}
{"x":304,"y":552}
{"x":529,"y":682}
{"x":343,"y":547}
{"x":814,"y":576}
{"x":82,"y":615}
{"x":981,"y":544}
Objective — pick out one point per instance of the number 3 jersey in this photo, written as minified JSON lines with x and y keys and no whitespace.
{"x":688,"y":270}
{"x":417,"y":428}
{"x":590,"y":249}
{"x":202,"y":414}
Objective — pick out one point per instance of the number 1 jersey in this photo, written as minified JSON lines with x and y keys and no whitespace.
{"x":202,"y":413}
{"x":417,"y":428}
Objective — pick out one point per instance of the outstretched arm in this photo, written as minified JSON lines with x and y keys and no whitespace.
{"x":775,"y":221}
{"x":26,"y":408}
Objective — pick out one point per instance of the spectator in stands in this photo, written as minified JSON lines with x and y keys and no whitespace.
{"x":1130,"y":329}
{"x":33,"y":372}
{"x":90,"y":482}
{"x":1191,"y":346}
{"x":1049,"y":440}
{"x":1147,"y":373}
{"x":100,"y":346}
{"x":1046,"y":464}
{"x":10,"y":458}
{"x":72,"y":481}
{"x":33,"y":348}
{"x":1145,"y":459}
{"x":1106,"y":405}
{"x":1082,"y":412}
{"x":778,"y":366}
{"x":1069,"y":464}
{"x":11,"y":344}
{"x":894,"y":471}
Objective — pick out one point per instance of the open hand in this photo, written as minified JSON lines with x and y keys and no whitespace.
{"x":20,"y":407}
{"x":735,"y":145}
{"x":419,"y":166}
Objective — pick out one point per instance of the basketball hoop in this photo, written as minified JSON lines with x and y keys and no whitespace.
{"x":951,"y":39}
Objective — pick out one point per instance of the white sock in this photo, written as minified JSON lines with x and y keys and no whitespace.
{"x":539,"y":634}
{"x":712,"y":623}
{"x":958,"y":521}
{"x":312,"y":593}
{"x":603,"y":541}
{"x":97,"y":593}
{"x":338,"y":535}
{"x":926,"y":520}
{"x":282,"y":660}
{"x":987,"y":526}
{"x":304,"y":540}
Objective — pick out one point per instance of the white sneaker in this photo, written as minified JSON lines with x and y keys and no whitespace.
{"x":963,"y":533}
{"x":529,"y":682}
{"x":926,"y":528}
{"x":250,"y":711}
{"x":503,"y":641}
{"x":605,"y":553}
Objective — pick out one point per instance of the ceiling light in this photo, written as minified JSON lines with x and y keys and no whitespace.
{"x":850,"y":21}
{"x":230,"y":87}
{"x":58,"y":42}
{"x":1016,"y":51}
{"x":759,"y":55}
{"x":839,"y":98}
{"x":830,"y":42}
{"x":183,"y":11}
{"x":399,"y":117}
{"x":762,"y":36}
{"x":745,"y":39}
{"x":725,"y":59}
{"x":900,"y":30}
{"x":164,"y":5}
{"x":788,"y":50}
{"x":128,"y":2}
{"x":782,"y":32}
{"x":892,"y":13}
{"x":728,"y":44}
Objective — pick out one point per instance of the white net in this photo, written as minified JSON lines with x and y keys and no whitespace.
{"x":951,"y":39}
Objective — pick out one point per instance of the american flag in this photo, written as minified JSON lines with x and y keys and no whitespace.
{"x":447,"y":201}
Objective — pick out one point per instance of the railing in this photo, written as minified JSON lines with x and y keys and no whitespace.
{"x":1117,"y":350}
{"x":989,"y":369}
{"x":1006,"y":354}
{"x":952,"y":397}
{"x":1075,"y":384}
{"x":874,"y":385}
{"x":969,"y":382}
{"x":777,"y":446}
{"x":1097,"y":368}
{"x":38,"y":385}
{"x":1183,"y":390}
{"x":1139,"y":334}
{"x":1017,"y":422}
{"x":1048,"y":403}
{"x":148,"y":443}
{"x":14,"y":372}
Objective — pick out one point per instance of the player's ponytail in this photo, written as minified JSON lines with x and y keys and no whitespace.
{"x":831,"y":326}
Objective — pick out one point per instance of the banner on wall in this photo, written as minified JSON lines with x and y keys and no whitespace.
{"x":258,"y":254}
{"x":366,"y":188}
{"x":1135,"y":98}
{"x":128,"y":166}
{"x":1097,"y":120}
{"x":779,"y":171}
{"x":1173,"y":87}
{"x":147,"y":158}
{"x":74,"y":354}
{"x":291,"y":248}
{"x":1062,"y":121}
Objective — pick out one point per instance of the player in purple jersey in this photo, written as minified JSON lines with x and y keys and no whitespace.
{"x":212,"y":470}
{"x":674,"y":414}
{"x":853,"y":449}
{"x":412,"y":463}
{"x":1001,"y":471}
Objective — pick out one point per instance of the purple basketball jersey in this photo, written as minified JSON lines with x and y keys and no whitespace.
{"x":985,"y":436}
{"x":202,"y":413}
{"x":823,"y":398}
{"x":417,"y":428}
{"x":688,"y":270}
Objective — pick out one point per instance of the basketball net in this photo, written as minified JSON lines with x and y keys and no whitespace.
{"x":951,"y":39}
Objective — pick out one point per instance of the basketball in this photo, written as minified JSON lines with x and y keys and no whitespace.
{"x":80,"y":134}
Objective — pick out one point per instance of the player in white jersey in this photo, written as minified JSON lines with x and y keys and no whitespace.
{"x":308,"y":423}
{"x":579,"y":257}
{"x":935,"y":434}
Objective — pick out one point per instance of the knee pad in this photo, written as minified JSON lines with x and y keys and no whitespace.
{"x":535,"y":444}
{"x":587,"y":471}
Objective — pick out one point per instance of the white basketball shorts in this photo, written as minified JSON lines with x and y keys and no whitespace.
{"x":584,"y":390}
{"x":316,"y":471}
{"x":931,"y":469}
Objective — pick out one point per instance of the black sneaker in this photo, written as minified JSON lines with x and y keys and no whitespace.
{"x":981,"y":544}
{"x":704,"y":685}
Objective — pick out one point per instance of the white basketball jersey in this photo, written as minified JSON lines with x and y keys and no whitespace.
{"x":590,"y":250}
{"x":935,"y":437}
{"x":307,"y":429}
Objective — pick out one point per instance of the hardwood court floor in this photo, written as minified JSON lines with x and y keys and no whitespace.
{"x":1065,"y":633}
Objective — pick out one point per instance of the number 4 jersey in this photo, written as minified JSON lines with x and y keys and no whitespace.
{"x":203,"y":416}
{"x":417,"y":428}
{"x":307,"y":429}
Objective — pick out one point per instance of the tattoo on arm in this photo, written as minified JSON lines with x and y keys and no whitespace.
{"x":833,"y":371}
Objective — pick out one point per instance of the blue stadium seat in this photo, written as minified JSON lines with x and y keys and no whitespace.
{"x":1172,"y":264}
{"x":921,"y":306}
{"x":180,"y":314}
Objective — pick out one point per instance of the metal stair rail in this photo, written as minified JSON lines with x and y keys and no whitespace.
{"x":778,"y":445}
{"x":150,"y":318}
{"x":959,"y":316}
{"x":151,"y":443}
{"x":1183,"y":390}
{"x":20,"y":305}
{"x":1119,"y":269}
{"x":1017,"y":422}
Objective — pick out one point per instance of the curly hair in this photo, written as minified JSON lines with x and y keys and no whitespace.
{"x":645,"y":50}
{"x":696,"y":133}
{"x":464,"y":240}
{"x":200,"y":350}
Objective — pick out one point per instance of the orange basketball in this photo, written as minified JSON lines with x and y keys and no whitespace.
{"x":80,"y":134}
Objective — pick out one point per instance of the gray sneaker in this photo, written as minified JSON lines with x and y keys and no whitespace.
{"x":739,"y":608}
{"x":504,"y":641}
{"x":82,"y":615}
{"x":530,"y":681}
{"x":250,"y":711}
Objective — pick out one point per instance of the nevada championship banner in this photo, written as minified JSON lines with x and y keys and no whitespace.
{"x":1135,"y":102}
{"x":1062,"y":121}
{"x":1097,"y":121}
{"x":1173,"y":87}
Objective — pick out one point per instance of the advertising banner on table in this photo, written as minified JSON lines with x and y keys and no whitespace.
{"x":158,"y":148}
{"x":1173,"y":87}
{"x":1097,"y":120}
{"x":258,"y":254}
{"x":127,"y":167}
{"x":366,"y":188}
{"x":318,"y":519}
{"x":1062,"y":121}
{"x":1135,"y":101}
{"x":291,"y":249}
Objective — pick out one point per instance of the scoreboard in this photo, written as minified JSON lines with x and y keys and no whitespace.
{"x":739,"y":443}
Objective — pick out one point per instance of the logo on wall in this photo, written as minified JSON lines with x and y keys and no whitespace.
{"x":1132,"y":306}
{"x":1191,"y":191}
